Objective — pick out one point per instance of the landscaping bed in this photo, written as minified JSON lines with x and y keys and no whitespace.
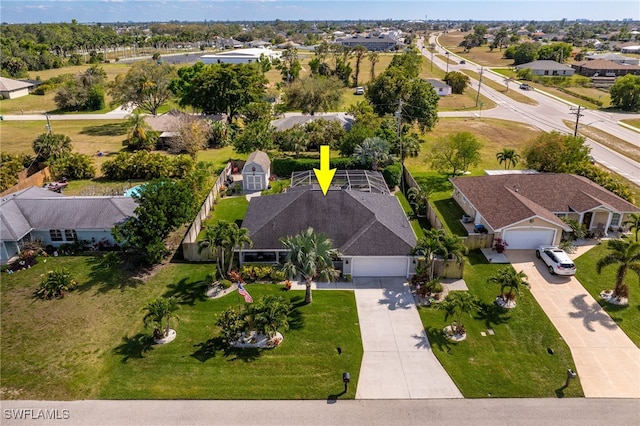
{"x":512,"y":359}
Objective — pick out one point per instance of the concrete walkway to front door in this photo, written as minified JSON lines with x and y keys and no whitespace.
{"x":398,"y":362}
{"x":607,"y":361}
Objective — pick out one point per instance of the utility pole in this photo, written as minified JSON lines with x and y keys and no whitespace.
{"x":479,"y":84}
{"x":398,"y":115}
{"x":578,"y":115}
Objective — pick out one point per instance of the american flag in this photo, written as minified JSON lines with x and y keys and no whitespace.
{"x":244,"y":293}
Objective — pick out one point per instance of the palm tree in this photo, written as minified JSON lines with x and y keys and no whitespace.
{"x":138,"y":136}
{"x":455,"y":305}
{"x":428,"y":245}
{"x":633,"y":221}
{"x":509,"y":157}
{"x":375,"y":150}
{"x":217,"y":237}
{"x":270,"y":313}
{"x":310,"y":255}
{"x":625,"y":254}
{"x":159,"y":313}
{"x":237,"y":237}
{"x":359,"y":52}
{"x":374,"y":57}
{"x":419,"y":199}
{"x":508,"y":278}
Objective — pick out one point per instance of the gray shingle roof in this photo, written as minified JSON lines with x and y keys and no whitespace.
{"x":505,"y":199}
{"x":34,"y":209}
{"x":261,"y":158}
{"x":357,"y":223}
{"x":9,"y":85}
{"x":544,"y":65}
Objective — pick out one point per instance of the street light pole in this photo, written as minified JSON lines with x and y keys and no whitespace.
{"x":479,"y":84}
{"x":447,"y":53}
{"x":578,"y":115}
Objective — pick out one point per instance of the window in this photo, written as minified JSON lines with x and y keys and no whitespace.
{"x":615,"y":219}
{"x":55,"y":234}
{"x":561,"y":215}
{"x":70,"y":235}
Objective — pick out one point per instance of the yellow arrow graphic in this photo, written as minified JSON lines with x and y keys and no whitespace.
{"x":324,"y":174}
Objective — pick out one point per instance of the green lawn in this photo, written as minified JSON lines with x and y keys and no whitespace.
{"x":512,"y":362}
{"x":196,"y":366}
{"x":416,"y":223}
{"x":628,"y":318}
{"x":231,"y":209}
{"x":92,"y":344}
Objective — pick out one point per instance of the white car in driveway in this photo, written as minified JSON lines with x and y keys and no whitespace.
{"x":556,"y":260}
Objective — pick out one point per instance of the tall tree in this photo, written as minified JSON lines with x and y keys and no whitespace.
{"x":374,"y":58}
{"x":625,"y":93}
{"x":626,"y":255}
{"x":309,"y":255}
{"x":455,"y":152}
{"x":359,"y":52}
{"x":145,"y":86}
{"x":457,"y":80}
{"x":140,"y":135}
{"x":221,"y":88}
{"x":238,"y":237}
{"x":509,"y":157}
{"x":314,"y":94}
{"x":556,"y":152}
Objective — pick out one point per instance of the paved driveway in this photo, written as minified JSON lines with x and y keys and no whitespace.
{"x":607,"y":361}
{"x":398,"y":362}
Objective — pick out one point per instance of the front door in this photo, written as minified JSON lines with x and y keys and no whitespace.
{"x":586,"y":220}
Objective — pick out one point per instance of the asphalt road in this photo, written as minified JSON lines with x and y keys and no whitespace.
{"x":549,"y":114}
{"x":459,"y":412}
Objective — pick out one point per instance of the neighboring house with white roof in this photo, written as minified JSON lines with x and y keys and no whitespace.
{"x":547,"y":68}
{"x":614,"y":57}
{"x":11,"y":89}
{"x":441,"y":88}
{"x":39,"y":214}
{"x":241,"y":56}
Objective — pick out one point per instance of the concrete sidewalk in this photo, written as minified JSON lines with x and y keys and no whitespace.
{"x":398,"y":362}
{"x":607,"y":361}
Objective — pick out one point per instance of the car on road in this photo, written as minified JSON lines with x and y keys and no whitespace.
{"x":558,"y":262}
{"x":359,"y":90}
{"x":525,"y":86}
{"x":462,"y":62}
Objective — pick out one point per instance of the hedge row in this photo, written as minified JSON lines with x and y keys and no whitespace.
{"x":285,"y":166}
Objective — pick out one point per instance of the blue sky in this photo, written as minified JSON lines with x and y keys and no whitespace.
{"x":25,"y":11}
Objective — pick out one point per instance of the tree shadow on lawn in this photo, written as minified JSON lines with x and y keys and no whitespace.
{"x":437,"y":339}
{"x":117,"y":277}
{"x":492,"y":314}
{"x":110,"y":129}
{"x":134,"y":347}
{"x":187,"y":293}
{"x":296,"y":317}
{"x":215,"y":345}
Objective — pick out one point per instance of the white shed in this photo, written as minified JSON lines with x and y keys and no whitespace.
{"x":256,"y":172}
{"x":11,"y":89}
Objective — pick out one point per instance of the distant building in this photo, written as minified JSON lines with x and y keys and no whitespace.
{"x":614,"y":57}
{"x":240,"y":56}
{"x":547,"y":68}
{"x":374,"y":43}
{"x":604,"y":68}
{"x":11,"y":89}
{"x":441,"y":88}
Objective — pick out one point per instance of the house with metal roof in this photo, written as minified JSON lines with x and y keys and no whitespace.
{"x":241,"y":56}
{"x":547,"y":68}
{"x":367,"y":226}
{"x":604,"y":68}
{"x":373,"y":43}
{"x":525,"y":210}
{"x":55,"y":219}
{"x":11,"y":89}
{"x":614,"y":57}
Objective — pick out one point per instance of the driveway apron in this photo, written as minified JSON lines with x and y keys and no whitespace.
{"x":398,"y":362}
{"x":607,"y":361}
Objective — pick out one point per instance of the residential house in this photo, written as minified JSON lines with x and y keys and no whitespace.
{"x":39,"y":214}
{"x":241,"y":56}
{"x":547,"y":68}
{"x":604,"y":68}
{"x":11,"y":89}
{"x":363,"y":220}
{"x":441,"y":88}
{"x":526,"y":209}
{"x":288,"y":122}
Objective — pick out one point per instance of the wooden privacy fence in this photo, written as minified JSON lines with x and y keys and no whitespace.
{"x":189,"y":243}
{"x":36,"y":179}
{"x":477,"y":241}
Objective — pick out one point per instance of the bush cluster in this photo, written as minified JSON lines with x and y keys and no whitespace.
{"x":259,"y":272}
{"x":286,"y":166}
{"x":392,"y":174}
{"x":146,"y":165}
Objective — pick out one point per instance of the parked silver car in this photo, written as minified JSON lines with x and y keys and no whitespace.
{"x":556,"y":260}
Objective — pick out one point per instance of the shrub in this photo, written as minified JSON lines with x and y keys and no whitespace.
{"x":73,"y":166}
{"x":277,"y":275}
{"x":392,"y":174}
{"x":286,"y":166}
{"x":225,"y":284}
{"x":146,"y":165}
{"x":256,"y":271}
{"x":55,"y":283}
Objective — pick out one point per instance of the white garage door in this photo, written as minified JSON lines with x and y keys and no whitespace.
{"x":254,"y":182}
{"x":528,"y":238}
{"x":379,"y":267}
